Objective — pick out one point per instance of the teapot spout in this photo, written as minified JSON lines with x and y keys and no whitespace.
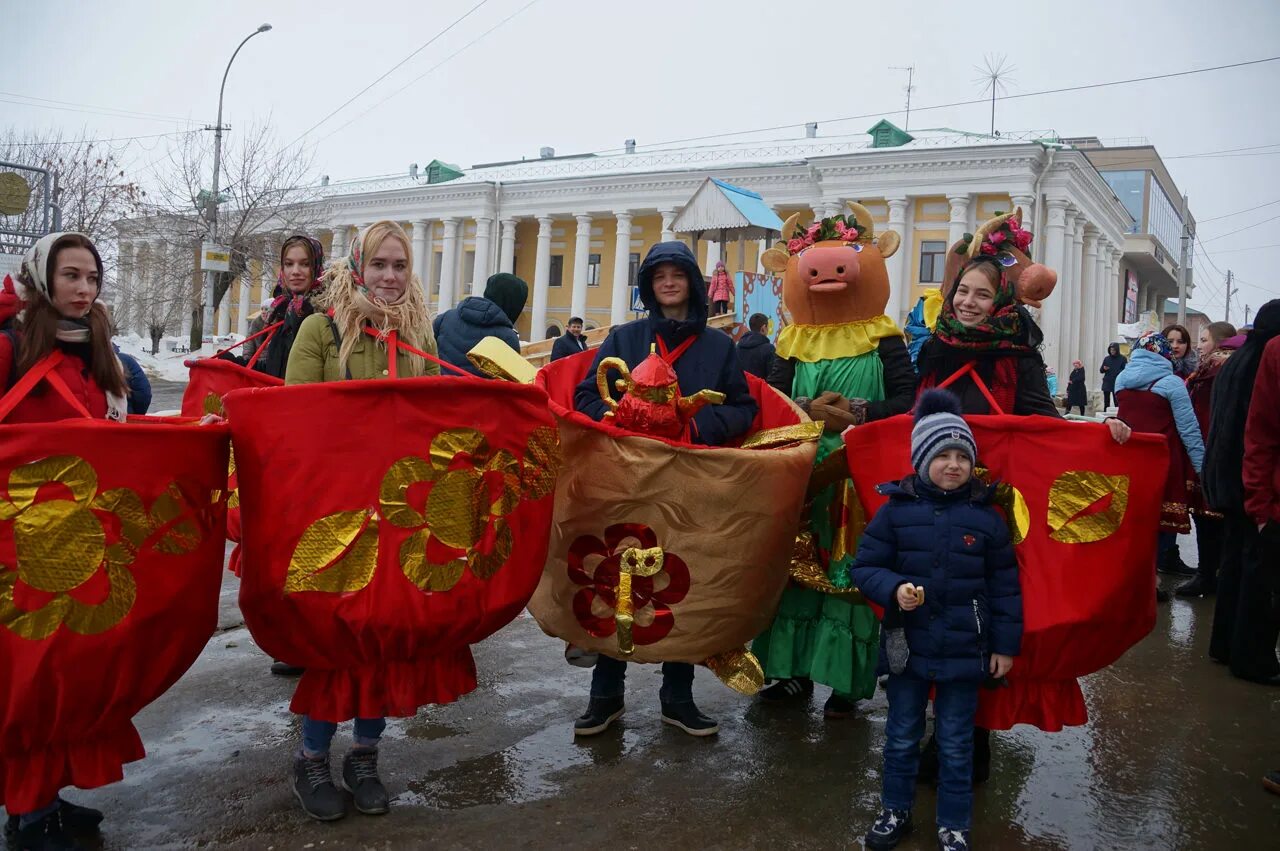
{"x":690,"y":405}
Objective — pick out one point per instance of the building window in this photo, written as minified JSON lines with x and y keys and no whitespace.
{"x":1130,"y":187}
{"x":552,"y":331}
{"x":593,"y":270}
{"x":933,"y":255}
{"x":557,"y":270}
{"x":633,"y":269}
{"x":468,"y":266}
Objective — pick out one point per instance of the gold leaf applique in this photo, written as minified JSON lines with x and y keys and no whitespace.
{"x":1085,"y":506}
{"x":336,"y":554}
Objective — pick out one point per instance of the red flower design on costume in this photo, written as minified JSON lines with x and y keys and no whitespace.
{"x":988,"y":248}
{"x":996,"y":237}
{"x":1022,"y":239}
{"x":630,"y":549}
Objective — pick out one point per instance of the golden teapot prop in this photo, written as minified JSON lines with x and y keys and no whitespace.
{"x":651,"y":403}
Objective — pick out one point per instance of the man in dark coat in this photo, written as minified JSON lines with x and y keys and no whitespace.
{"x":675,"y":294}
{"x":492,"y":315}
{"x":571,"y":342}
{"x":754,"y":349}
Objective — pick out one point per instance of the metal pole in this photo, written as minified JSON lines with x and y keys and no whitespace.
{"x":1227,"y":318}
{"x":1182,"y":265}
{"x":211,"y":205}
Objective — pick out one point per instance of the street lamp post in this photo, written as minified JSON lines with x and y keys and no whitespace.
{"x":211,"y":205}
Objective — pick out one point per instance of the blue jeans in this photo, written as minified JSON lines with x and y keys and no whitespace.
{"x":954,"y":706}
{"x":609,"y":679}
{"x":316,"y":735}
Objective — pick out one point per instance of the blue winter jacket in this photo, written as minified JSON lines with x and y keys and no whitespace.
{"x":958,"y":548}
{"x":1148,"y":370}
{"x":139,"y":401}
{"x":711,"y":363}
{"x":458,"y":330}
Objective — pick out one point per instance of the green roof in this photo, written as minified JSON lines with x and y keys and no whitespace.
{"x":438,"y":172}
{"x":887,"y":135}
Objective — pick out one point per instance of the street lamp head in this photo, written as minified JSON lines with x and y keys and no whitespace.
{"x":264,"y":28}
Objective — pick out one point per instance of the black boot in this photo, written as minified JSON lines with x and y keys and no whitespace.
{"x":284,"y":669}
{"x":360,"y":778}
{"x":47,"y":834}
{"x":75,"y":818}
{"x":685,"y":716}
{"x":601,"y":712}
{"x":1198,"y":586}
{"x":981,"y":755}
{"x":1162,"y":596}
{"x":838,"y":706}
{"x":1171,"y":562}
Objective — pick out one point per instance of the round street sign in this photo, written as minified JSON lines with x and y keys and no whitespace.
{"x":15,"y":194}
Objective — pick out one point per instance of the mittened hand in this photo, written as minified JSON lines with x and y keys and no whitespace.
{"x":832,"y":410}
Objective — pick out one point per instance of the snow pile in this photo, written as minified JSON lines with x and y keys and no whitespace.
{"x":167,"y":364}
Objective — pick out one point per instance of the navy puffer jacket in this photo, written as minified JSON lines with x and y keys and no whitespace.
{"x":458,"y":330}
{"x":710,"y":363}
{"x":957,"y":546}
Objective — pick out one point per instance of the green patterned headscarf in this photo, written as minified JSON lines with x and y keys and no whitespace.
{"x":1003,"y":329}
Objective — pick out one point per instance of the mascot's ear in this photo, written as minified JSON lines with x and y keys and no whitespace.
{"x":775,"y":260}
{"x":888,"y":242}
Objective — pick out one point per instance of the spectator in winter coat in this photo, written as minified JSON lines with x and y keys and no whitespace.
{"x":720,"y":290}
{"x":938,"y":558}
{"x":1185,"y":358}
{"x":674,"y":292}
{"x":1077,"y":394}
{"x":139,"y":384}
{"x":476,"y":317}
{"x":1152,"y":399}
{"x":1112,"y":365}
{"x":755,"y":352}
{"x":1239,"y":483}
{"x":571,"y":341}
{"x":1216,"y":345}
{"x":256,"y":324}
{"x":299,"y":283}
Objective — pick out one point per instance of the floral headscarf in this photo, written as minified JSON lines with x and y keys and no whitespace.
{"x":1157,"y":343}
{"x":297,"y":301}
{"x":34,"y":274}
{"x":1003,"y":329}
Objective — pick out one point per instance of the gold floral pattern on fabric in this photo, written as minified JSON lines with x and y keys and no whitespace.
{"x":739,"y":669}
{"x":336,"y":554}
{"x":66,"y":533}
{"x":1085,"y":506}
{"x":1017,"y":515}
{"x":808,"y":572}
{"x":456,"y":501}
{"x":233,"y":501}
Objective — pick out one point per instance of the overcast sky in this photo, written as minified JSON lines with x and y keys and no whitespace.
{"x":583,"y":75}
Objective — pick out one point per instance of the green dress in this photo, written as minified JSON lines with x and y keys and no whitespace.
{"x":829,"y":639}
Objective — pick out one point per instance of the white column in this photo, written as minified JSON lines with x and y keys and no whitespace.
{"x":224,"y":308}
{"x":620,"y":300}
{"x":484,"y":247}
{"x":507,"y":247}
{"x":246,"y":290}
{"x":899,"y":271}
{"x":449,"y":265}
{"x":668,"y":219}
{"x":541,"y":280}
{"x":1090,"y":302}
{"x":715,"y":254}
{"x":1075,"y":327}
{"x":959,"y":222}
{"x":819,"y":210}
{"x":1051,"y":313}
{"x":581,"y":251}
{"x":1118,"y":293}
{"x":1028,"y":205}
{"x":1104,"y":292}
{"x":420,"y":254}
{"x":831,"y":208}
{"x":338,"y":248}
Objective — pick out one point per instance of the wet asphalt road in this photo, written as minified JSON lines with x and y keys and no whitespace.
{"x":166,"y":395}
{"x":1171,"y":758}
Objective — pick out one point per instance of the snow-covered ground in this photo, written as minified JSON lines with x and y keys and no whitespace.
{"x":166,"y":364}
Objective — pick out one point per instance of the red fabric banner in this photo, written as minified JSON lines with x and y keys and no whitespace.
{"x":400,"y":523}
{"x":111,"y":547}
{"x":210,"y":380}
{"x":1084,"y":512}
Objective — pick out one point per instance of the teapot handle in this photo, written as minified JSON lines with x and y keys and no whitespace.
{"x":602,"y":379}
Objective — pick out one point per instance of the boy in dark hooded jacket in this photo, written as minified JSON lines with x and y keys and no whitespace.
{"x":494,"y":315}
{"x":675,"y":294}
{"x":938,"y":532}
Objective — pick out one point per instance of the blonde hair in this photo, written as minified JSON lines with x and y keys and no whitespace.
{"x":352,"y":305}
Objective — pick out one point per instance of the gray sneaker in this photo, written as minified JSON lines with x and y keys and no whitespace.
{"x":313,"y":786}
{"x":360,"y":778}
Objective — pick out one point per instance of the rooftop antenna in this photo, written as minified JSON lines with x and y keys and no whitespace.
{"x":911,"y":72}
{"x":994,"y":75}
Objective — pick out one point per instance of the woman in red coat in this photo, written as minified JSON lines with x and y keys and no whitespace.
{"x":61,"y":279}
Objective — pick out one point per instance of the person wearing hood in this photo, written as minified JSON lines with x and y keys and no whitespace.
{"x":1077,"y":394}
{"x":1244,"y":400}
{"x":300,"y":281}
{"x":1215,"y":346}
{"x":571,"y":342}
{"x":1152,"y":399}
{"x":674,"y":292}
{"x":494,"y":314}
{"x":720,"y":290}
{"x":1112,"y":365}
{"x":755,"y":352}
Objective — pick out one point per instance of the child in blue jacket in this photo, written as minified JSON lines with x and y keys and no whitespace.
{"x":938,"y":557}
